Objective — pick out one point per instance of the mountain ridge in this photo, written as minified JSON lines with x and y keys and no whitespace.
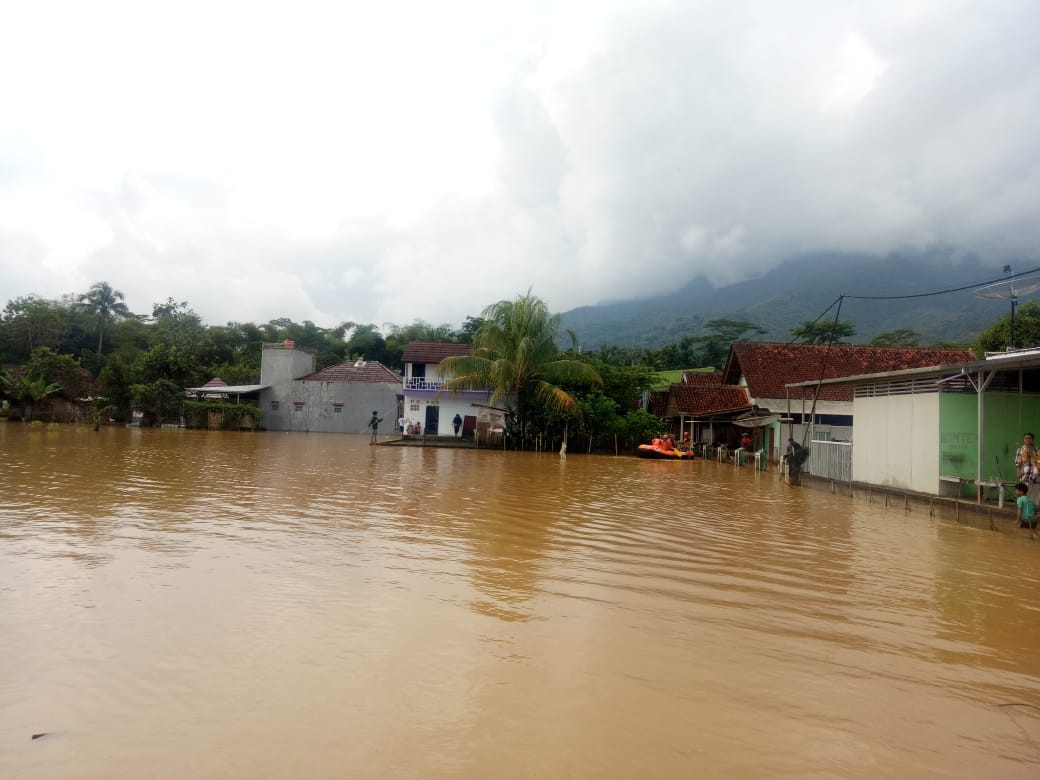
{"x":801,"y":288}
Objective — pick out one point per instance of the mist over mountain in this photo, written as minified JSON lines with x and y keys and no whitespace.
{"x":800,"y":289}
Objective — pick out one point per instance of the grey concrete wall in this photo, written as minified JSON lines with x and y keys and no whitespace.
{"x":281,"y":366}
{"x":330,"y":407}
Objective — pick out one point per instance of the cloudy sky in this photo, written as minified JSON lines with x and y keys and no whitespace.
{"x":387,"y":161}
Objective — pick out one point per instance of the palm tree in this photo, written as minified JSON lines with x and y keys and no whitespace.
{"x":28,"y":391}
{"x":515,"y":354}
{"x":105,"y":304}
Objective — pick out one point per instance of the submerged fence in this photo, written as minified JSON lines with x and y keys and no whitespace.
{"x":830,"y":460}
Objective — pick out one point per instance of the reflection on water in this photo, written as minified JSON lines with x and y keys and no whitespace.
{"x":204,"y":604}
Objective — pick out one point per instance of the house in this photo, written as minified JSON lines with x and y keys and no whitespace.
{"x":942,"y":429}
{"x":337,"y":399}
{"x":425,"y":400}
{"x":781,"y":383}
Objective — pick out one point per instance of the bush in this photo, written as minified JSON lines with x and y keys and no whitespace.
{"x":196,"y":413}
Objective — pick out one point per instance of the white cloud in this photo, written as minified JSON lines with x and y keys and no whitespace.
{"x":385,"y":162}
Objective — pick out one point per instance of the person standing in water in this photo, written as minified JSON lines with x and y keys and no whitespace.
{"x":374,"y":425}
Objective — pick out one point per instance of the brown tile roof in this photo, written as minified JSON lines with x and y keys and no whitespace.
{"x":433,"y":352}
{"x":657,"y":403}
{"x":706,"y":401}
{"x":371,"y":371}
{"x":216,"y":382}
{"x":702,"y":378}
{"x":768,"y":367}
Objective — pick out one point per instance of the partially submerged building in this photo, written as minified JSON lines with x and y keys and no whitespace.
{"x":427,"y":402}
{"x":337,"y":399}
{"x":943,"y":429}
{"x":770,"y":391}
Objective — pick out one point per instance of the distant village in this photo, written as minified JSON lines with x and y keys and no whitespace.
{"x":936,"y":420}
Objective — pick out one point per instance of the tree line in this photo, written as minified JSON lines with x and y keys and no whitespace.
{"x":91,"y":346}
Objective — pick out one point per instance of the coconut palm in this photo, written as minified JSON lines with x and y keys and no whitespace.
{"x":105,"y":305}
{"x":515,"y":354}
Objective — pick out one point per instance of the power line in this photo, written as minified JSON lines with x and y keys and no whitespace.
{"x":936,"y":292}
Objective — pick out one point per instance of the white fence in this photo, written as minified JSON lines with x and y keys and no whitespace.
{"x":830,"y":460}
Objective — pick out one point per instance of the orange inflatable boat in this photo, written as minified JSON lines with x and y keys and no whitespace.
{"x":658,"y":450}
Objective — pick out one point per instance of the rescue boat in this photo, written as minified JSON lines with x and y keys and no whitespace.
{"x":659,"y":451}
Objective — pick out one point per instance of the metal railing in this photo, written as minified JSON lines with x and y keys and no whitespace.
{"x":421,"y":383}
{"x":830,"y":460}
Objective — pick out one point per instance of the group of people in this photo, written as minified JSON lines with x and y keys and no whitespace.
{"x":1027,"y":467}
{"x":668,"y":442}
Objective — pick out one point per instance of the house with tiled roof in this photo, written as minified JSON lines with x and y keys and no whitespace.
{"x":767,"y":369}
{"x":701,"y":406}
{"x":946,"y":429}
{"x":425,"y":400}
{"x":337,"y":399}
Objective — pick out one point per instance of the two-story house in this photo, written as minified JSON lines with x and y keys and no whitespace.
{"x":425,"y":400}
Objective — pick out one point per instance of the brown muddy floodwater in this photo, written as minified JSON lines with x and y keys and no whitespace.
{"x":191,"y":604}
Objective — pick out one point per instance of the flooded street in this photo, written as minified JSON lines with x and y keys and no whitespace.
{"x":205,"y":604}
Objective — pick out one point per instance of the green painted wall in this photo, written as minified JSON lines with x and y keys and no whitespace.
{"x":1007,"y":417}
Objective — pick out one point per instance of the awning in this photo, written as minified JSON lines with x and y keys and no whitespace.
{"x":757,"y":421}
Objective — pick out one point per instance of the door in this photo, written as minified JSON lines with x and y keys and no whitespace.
{"x":432,"y":415}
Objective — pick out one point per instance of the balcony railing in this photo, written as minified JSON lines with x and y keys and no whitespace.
{"x":421,"y":383}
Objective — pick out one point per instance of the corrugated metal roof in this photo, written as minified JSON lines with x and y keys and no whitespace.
{"x":225,"y":389}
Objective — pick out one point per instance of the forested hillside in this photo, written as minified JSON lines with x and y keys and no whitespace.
{"x":798,"y":290}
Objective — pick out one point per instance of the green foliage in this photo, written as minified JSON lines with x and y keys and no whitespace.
{"x":640,"y":427}
{"x":828,"y":332}
{"x":29,"y":322}
{"x":997,"y":336}
{"x":515,"y":353}
{"x":115,"y":380}
{"x":468,"y":331}
{"x":903,"y":337}
{"x":398,"y":337}
{"x":64,"y":371}
{"x":160,"y":400}
{"x":104,"y":305}
{"x":196,"y":413}
{"x":367,"y":342}
{"x":599,"y":418}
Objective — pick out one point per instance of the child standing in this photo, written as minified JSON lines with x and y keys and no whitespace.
{"x":1026,"y":507}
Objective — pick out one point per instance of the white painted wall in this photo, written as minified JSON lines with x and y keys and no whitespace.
{"x":449,"y":405}
{"x":896,"y":441}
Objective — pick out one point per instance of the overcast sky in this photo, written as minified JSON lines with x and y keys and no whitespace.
{"x":387,"y":161}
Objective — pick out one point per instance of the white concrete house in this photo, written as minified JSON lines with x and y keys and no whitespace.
{"x":425,"y":400}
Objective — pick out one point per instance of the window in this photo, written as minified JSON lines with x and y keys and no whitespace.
{"x":337,"y":407}
{"x":413,"y":406}
{"x":274,"y":406}
{"x":297,"y":406}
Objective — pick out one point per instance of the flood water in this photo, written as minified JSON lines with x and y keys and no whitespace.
{"x":212,"y":605}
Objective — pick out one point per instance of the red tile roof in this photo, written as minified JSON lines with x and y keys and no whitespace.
{"x":768,"y":367}
{"x":657,"y":403}
{"x":216,"y":382}
{"x":371,"y":371}
{"x":706,"y":401}
{"x":702,"y":378}
{"x":432,"y":352}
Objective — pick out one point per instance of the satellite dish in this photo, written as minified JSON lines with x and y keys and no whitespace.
{"x":1010,"y":290}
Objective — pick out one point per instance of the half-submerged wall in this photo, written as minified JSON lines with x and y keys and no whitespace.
{"x":895,"y":441}
{"x":1007,"y":416}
